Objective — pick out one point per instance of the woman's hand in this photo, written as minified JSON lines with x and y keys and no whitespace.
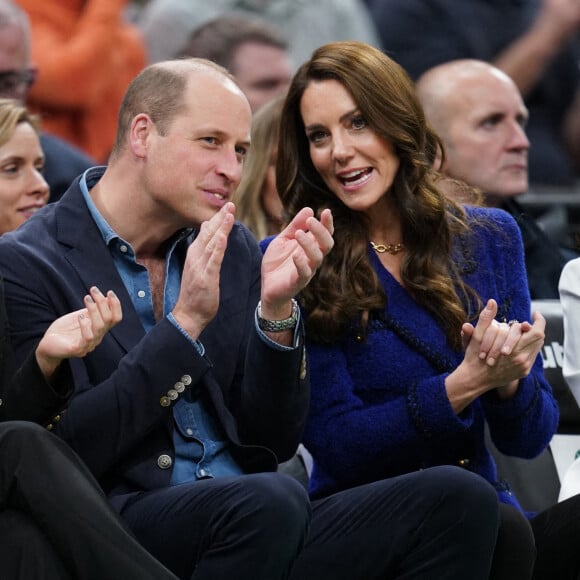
{"x":78,"y":333}
{"x":497,"y":356}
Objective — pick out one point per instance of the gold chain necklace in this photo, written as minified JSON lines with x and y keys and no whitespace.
{"x":389,"y":248}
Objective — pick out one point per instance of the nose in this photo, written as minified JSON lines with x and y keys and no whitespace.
{"x":37,"y":185}
{"x":518,"y":139}
{"x":342,"y":149}
{"x":230,"y":166}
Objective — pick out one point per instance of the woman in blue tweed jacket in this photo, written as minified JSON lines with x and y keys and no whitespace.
{"x":418,"y":321}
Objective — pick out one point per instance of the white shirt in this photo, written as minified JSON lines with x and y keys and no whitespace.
{"x":570,"y":298}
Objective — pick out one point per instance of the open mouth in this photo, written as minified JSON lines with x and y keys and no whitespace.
{"x":355,"y":177}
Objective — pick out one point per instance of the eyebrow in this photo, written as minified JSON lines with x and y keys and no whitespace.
{"x":220,"y":134}
{"x":14,"y":158}
{"x":342,"y":118}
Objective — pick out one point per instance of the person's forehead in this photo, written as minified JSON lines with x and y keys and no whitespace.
{"x":215,"y":100}
{"x":23,"y":141}
{"x":478,"y":97}
{"x":13,"y":53}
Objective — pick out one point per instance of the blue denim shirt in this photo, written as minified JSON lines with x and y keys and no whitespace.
{"x":201,"y":450}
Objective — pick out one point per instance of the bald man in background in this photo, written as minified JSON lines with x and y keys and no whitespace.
{"x":479,"y":113}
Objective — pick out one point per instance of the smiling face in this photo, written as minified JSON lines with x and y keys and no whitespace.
{"x":357,"y":165}
{"x":485,"y":141}
{"x":23,"y":190}
{"x":195,"y":166}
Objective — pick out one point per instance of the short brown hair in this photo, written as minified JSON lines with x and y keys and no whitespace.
{"x":158,"y":92}
{"x":218,"y":39}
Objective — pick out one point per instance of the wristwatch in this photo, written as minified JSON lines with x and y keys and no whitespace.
{"x":278,"y":325}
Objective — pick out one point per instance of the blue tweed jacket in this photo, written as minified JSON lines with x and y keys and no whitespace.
{"x":379,"y":406}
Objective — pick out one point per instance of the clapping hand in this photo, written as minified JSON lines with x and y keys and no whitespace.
{"x":78,"y":333}
{"x":292,"y":259}
{"x":497,"y":356}
{"x":506,"y":350}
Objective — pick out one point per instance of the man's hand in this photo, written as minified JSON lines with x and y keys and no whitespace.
{"x":199,"y":294}
{"x":78,"y":333}
{"x":292,"y":259}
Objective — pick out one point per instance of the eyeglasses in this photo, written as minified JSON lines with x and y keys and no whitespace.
{"x":15,"y":83}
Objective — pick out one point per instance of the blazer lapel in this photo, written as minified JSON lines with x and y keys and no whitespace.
{"x":88,"y":255}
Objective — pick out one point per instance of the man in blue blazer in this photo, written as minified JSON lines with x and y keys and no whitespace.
{"x":184,"y":410}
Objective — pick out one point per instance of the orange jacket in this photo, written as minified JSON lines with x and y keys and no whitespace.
{"x":86,"y":56}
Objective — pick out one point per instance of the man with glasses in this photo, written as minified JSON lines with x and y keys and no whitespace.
{"x":17,"y":75}
{"x":15,"y":84}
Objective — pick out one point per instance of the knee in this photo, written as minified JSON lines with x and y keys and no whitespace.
{"x":463,"y":489}
{"x":21,"y":434}
{"x":275,"y":499}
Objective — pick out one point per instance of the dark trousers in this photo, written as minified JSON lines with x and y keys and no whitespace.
{"x":557,"y":535}
{"x":55,"y":522}
{"x":437,"y":523}
{"x":545,"y":548}
{"x":515,"y":550}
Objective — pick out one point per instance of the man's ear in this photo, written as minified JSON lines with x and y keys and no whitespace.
{"x":141,"y":129}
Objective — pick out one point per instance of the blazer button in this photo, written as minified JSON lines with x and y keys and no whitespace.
{"x":179,"y":386}
{"x":186,"y":380}
{"x":164,"y":461}
{"x":165,"y":401}
{"x":172,"y":394}
{"x":464,"y":462}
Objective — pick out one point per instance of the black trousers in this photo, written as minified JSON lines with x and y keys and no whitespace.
{"x":543,"y":548}
{"x":557,"y":536}
{"x":515,"y":551}
{"x":55,"y":522}
{"x":439,"y":523}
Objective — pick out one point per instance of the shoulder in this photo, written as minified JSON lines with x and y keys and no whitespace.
{"x":240,"y":234}
{"x":570,"y":277}
{"x":242,"y":246}
{"x":491,"y":244}
{"x":492,"y":221}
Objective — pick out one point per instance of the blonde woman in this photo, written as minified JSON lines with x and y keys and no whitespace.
{"x":258,"y":204}
{"x":23,"y":189}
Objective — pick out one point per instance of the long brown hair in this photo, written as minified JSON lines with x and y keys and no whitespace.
{"x":346,"y":288}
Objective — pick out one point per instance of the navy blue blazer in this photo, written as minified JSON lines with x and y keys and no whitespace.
{"x":25,"y":394}
{"x":119,"y":419}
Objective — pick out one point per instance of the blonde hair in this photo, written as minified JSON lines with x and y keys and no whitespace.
{"x":249,"y":201}
{"x":12,"y":113}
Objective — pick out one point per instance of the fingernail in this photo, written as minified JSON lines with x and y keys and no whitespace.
{"x":95,"y":289}
{"x":490,"y":361}
{"x":112,"y":294}
{"x":482,"y":355}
